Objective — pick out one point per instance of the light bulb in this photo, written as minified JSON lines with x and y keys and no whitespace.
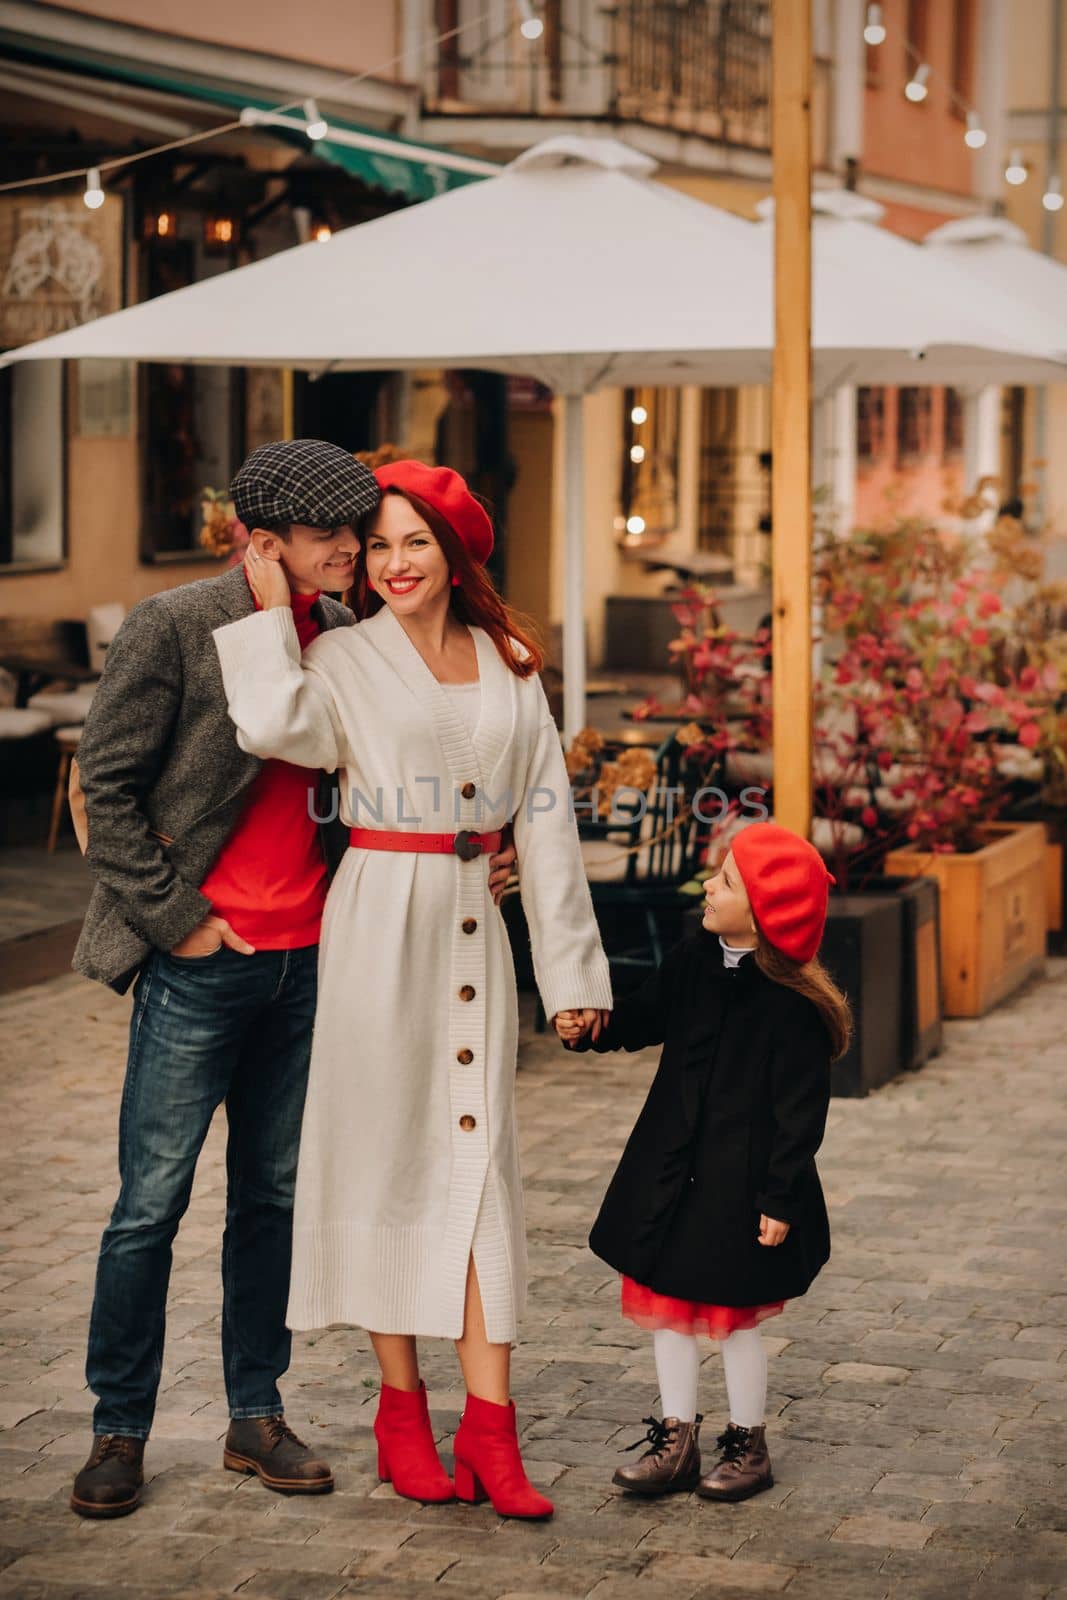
{"x":322,"y":233}
{"x":1052,"y":199}
{"x":874,"y":32}
{"x":915,"y":88}
{"x":94,"y":196}
{"x":639,"y":414}
{"x":635,"y":524}
{"x":317,"y":126}
{"x":531,"y":26}
{"x":637,"y":454}
{"x":1015,"y":172}
{"x":976,"y":135}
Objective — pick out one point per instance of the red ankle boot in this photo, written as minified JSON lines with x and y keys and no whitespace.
{"x":488,"y":1463}
{"x":407,"y":1455}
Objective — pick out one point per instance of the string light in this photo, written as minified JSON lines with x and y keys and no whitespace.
{"x":317,"y":126}
{"x":638,"y":415}
{"x":249,"y":117}
{"x":1052,"y":199}
{"x":1016,"y":171}
{"x":635,"y":524}
{"x":94,"y":194}
{"x":637,"y":454}
{"x":531,"y":26}
{"x":976,"y":135}
{"x":322,"y":233}
{"x":917,"y":86}
{"x":874,"y":32}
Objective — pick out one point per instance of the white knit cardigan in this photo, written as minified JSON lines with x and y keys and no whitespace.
{"x":408,"y":1159}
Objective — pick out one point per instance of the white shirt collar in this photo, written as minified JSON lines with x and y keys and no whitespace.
{"x":732,"y":954}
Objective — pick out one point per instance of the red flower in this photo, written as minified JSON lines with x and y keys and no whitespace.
{"x":1029,"y":735}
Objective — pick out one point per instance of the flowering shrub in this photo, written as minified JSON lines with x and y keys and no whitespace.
{"x":222,"y":534}
{"x":943,"y":682}
{"x":943,"y":656}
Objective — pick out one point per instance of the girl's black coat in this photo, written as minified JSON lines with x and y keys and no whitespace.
{"x":730,"y":1128}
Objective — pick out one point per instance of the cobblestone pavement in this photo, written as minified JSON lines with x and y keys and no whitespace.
{"x":918,"y":1393}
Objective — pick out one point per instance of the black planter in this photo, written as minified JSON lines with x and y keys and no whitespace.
{"x":862,"y":950}
{"x":921,"y":1022}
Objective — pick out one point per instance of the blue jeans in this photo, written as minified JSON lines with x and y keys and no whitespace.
{"x":225,"y":1027}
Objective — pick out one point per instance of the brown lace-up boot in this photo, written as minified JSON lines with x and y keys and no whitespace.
{"x":743,"y":1469}
{"x":109,"y":1484}
{"x":671,"y":1464}
{"x":268,"y":1447}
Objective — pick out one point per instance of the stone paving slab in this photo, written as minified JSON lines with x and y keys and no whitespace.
{"x":918,"y":1394}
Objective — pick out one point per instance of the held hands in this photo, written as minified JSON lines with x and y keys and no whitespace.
{"x":266,"y":579}
{"x":500,"y":867}
{"x":772,"y":1232}
{"x":574,"y":1025}
{"x":209,"y":936}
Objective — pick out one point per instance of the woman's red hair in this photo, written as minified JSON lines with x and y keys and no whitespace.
{"x":474,"y":600}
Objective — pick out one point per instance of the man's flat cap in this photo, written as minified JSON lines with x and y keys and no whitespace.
{"x":303,"y":480}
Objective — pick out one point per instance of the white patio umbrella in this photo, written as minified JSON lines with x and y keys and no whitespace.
{"x":927,"y":320}
{"x":573,"y":267}
{"x":997,"y":253}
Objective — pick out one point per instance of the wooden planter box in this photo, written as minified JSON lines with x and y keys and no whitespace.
{"x":993,"y":911}
{"x":1054,"y":821}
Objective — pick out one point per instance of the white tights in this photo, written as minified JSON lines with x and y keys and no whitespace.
{"x":744,"y":1364}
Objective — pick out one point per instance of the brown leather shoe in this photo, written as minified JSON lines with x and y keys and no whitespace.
{"x":268,"y":1447}
{"x":109,"y":1484}
{"x":672,"y":1463}
{"x":743,"y":1469}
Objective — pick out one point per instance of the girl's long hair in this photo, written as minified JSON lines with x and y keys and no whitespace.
{"x":811,"y":979}
{"x":474,"y":600}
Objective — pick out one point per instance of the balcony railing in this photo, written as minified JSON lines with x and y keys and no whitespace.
{"x":704,"y":65}
{"x":701,"y":66}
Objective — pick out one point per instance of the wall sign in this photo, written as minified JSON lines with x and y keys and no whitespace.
{"x":60,"y":265}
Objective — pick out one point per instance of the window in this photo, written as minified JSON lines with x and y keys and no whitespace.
{"x":963,"y":41}
{"x":32,"y":465}
{"x":194,"y":417}
{"x":918,"y":33}
{"x":952,"y":445}
{"x":870,"y":425}
{"x":649,"y":493}
{"x":913,"y":425}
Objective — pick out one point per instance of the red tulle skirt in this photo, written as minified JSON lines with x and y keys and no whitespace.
{"x":651,"y":1310}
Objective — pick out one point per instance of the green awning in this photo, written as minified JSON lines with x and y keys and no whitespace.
{"x":397,"y":166}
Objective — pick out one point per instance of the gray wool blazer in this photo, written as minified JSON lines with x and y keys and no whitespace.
{"x":163,"y":777}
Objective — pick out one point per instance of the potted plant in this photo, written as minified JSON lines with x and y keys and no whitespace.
{"x":939,"y":659}
{"x":222,"y":533}
{"x":939,"y":676}
{"x":726,"y":689}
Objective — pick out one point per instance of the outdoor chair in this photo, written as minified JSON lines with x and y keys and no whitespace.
{"x":664,"y":851}
{"x":637,"y":860}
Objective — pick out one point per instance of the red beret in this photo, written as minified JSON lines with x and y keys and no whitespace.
{"x":448,"y":494}
{"x":787,"y":885}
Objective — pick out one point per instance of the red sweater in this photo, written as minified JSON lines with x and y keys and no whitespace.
{"x":269,"y":879}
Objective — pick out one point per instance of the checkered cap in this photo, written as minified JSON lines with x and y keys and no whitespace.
{"x":303,"y":480}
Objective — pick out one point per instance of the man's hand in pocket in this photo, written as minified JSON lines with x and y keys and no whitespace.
{"x":208,"y":936}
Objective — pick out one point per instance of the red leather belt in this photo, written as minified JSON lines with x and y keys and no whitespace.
{"x":466,"y":845}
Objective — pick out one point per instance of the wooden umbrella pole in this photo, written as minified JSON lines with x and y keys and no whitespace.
{"x":791,"y":518}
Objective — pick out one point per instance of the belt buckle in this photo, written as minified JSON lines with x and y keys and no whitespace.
{"x":466,"y":846}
